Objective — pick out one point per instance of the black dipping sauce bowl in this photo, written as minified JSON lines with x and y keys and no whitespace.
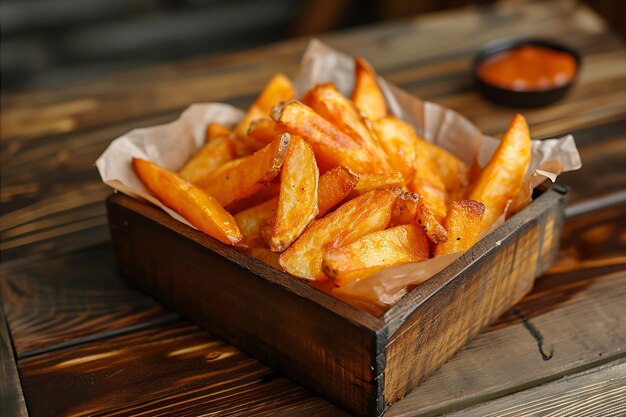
{"x":527,"y":98}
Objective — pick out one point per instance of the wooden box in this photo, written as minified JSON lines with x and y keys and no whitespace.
{"x":361,"y":362}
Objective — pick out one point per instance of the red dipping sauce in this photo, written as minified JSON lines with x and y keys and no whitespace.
{"x":528,"y":68}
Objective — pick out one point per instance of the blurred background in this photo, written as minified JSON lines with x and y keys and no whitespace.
{"x":48,"y":42}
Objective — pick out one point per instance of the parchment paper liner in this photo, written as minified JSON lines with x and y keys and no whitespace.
{"x":172,"y":144}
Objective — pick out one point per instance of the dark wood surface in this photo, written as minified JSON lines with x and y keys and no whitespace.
{"x":72,"y":322}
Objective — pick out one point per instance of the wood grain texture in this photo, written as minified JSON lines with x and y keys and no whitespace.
{"x":577,"y":307}
{"x":51,"y":193}
{"x":12,"y":402}
{"x":62,"y":300}
{"x":600,"y":391}
{"x":315,"y":339}
{"x":168,"y":370}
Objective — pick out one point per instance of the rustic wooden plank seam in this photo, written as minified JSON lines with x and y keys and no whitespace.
{"x":12,"y":402}
{"x":96,"y":337}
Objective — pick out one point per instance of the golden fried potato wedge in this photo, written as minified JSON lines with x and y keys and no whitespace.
{"x":462,"y":223}
{"x":267,"y":191}
{"x":334,"y":187}
{"x":352,"y":220}
{"x":297,"y":201}
{"x":455,"y":174}
{"x":395,"y":246}
{"x":264,"y":130}
{"x":406,"y":209}
{"x":243,"y":177}
{"x":431,"y":223}
{"x":367,"y":94}
{"x":199,"y":208}
{"x":215,"y":130}
{"x":329,"y":103}
{"x":399,"y":141}
{"x":277,"y":90}
{"x":213,"y":155}
{"x":369,"y":182}
{"x":332,"y":147}
{"x":504,"y":175}
{"x":251,"y":221}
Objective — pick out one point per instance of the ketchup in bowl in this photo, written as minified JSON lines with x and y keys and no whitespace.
{"x":526,"y":72}
{"x":529,"y":68}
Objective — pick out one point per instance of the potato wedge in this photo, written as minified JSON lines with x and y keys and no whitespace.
{"x":331,"y":146}
{"x":399,"y":141}
{"x":267,"y":191}
{"x":503,"y":176}
{"x":352,"y":220}
{"x":264,"y":130}
{"x":406,"y":209}
{"x":213,"y":155}
{"x":455,"y":174}
{"x":297,"y":201}
{"x":250,"y":221}
{"x":431,"y":223}
{"x":243,"y":177}
{"x":199,"y":208}
{"x":329,"y":103}
{"x":367,"y":94}
{"x":369,"y":182}
{"x":462,"y":223}
{"x":277,"y":90}
{"x":334,"y":187}
{"x":215,"y":130}
{"x":375,"y":251}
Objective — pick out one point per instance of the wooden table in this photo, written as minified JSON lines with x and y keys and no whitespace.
{"x":80,"y":342}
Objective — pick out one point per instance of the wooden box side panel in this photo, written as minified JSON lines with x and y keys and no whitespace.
{"x":307,"y":342}
{"x":490,"y":284}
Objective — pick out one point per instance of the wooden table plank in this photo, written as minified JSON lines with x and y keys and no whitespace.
{"x":171,"y":369}
{"x":577,"y":308}
{"x":600,"y":391}
{"x":12,"y":402}
{"x":72,"y":299}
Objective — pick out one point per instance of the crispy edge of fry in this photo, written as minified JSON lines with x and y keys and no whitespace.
{"x":367,"y":95}
{"x":398,"y":140}
{"x":369,"y":182}
{"x":503,"y":176}
{"x":329,"y":103}
{"x":431,"y":223}
{"x":331,"y":146}
{"x":462,"y":223}
{"x":208,"y":159}
{"x":334,"y":186}
{"x":405,"y":210}
{"x":375,"y":251}
{"x":215,"y":130}
{"x":358,"y":217}
{"x":297,"y":201}
{"x":277,"y":90}
{"x":243,"y":177}
{"x":199,"y":208}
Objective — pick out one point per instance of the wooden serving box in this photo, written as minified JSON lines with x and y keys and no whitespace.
{"x":359,"y":361}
